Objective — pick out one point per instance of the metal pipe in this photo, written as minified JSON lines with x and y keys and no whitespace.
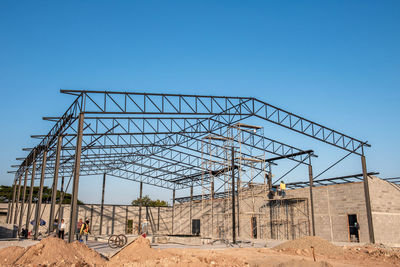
{"x":102,"y":203}
{"x":75,"y":186}
{"x":28,"y":213}
{"x":39,"y":201}
{"x":23,"y":202}
{"x":310,"y":176}
{"x":55,"y":181}
{"x":367,"y":200}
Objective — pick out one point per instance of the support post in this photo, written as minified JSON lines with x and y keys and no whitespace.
{"x":212,"y":207}
{"x":17,"y":199}
{"x":190,"y":209}
{"x":173,"y":210}
{"x":140,"y":208}
{"x":237,"y":205}
{"x":21,"y":214}
{"x":158,"y":219}
{"x":126,"y":220}
{"x":75,"y":186}
{"x":60,"y":213}
{"x":311,"y":180}
{"x":113,"y":219}
{"x":233,"y":196}
{"x":102,"y":204}
{"x":10,"y":219}
{"x":40,"y":195}
{"x":367,"y":199}
{"x":28,"y":213}
{"x":55,"y":181}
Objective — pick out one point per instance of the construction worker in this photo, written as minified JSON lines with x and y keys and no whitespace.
{"x":78,"y":229}
{"x":85,"y":230}
{"x":282,"y":187}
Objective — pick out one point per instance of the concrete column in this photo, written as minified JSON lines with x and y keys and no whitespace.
{"x":17,"y":199}
{"x":21,"y":214}
{"x":173,"y":210}
{"x":102,"y":203}
{"x":40,"y":195}
{"x":75,"y":186}
{"x":367,"y":200}
{"x":311,"y":180}
{"x":55,"y":181}
{"x":140,"y":208}
{"x":28,"y":212}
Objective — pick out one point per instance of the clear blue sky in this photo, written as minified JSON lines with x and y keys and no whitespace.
{"x":335,"y":62}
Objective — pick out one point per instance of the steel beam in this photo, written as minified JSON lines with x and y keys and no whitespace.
{"x":55,"y":181}
{"x":102,"y":204}
{"x":40,"y":195}
{"x":190,"y":210}
{"x":75,"y":185}
{"x":367,"y":200}
{"x":23,"y":202}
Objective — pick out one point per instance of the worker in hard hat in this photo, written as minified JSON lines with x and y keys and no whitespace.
{"x":282,"y":187}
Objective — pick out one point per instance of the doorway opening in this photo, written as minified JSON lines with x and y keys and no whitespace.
{"x":196,"y":227}
{"x":254,"y":227}
{"x":354,"y":227}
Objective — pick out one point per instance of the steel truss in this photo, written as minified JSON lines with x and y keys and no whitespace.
{"x":157,"y":139}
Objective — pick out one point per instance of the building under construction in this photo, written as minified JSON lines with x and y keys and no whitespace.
{"x":215,"y":149}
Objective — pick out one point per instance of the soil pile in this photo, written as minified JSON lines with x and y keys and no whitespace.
{"x":55,"y":252}
{"x":9,"y":255}
{"x":139,"y":253}
{"x":304,"y":263}
{"x":302,"y":246}
{"x":378,"y":252}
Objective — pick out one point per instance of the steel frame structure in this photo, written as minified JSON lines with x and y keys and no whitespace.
{"x":156,"y":139}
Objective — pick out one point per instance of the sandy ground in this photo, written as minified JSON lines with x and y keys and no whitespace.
{"x":55,"y":252}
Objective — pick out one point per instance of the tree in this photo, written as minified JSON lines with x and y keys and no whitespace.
{"x":6,"y":195}
{"x":147,"y":201}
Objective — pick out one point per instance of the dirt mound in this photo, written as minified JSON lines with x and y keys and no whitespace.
{"x":302,"y":246}
{"x":10,"y":254}
{"x":378,"y":252}
{"x":140,"y":253}
{"x":55,"y":252}
{"x":304,"y":263}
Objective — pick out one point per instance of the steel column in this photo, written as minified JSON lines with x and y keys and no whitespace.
{"x":212,"y":207}
{"x":23,"y":202}
{"x":28,"y":212}
{"x":311,"y":179}
{"x":190,"y":209}
{"x":102,"y":203}
{"x":173,"y":210}
{"x":367,"y":199}
{"x":75,"y":186}
{"x":233,"y":196}
{"x":17,"y":199}
{"x":40,"y":195}
{"x":140,"y":208}
{"x":60,"y":215}
{"x":10,"y":218}
{"x":55,"y":181}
